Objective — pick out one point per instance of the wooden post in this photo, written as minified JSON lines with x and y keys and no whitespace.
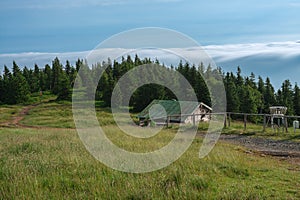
{"x":272,"y":122}
{"x":229,"y":119}
{"x":286,"y":124}
{"x":265,"y":123}
{"x":245,"y":122}
{"x":168,"y":121}
{"x":225,"y":120}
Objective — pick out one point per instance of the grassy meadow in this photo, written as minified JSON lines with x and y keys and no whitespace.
{"x":8,"y":112}
{"x":50,"y":162}
{"x":59,"y":115}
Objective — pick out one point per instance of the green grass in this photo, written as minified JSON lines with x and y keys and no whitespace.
{"x":51,"y":114}
{"x":53,"y":164}
{"x":37,"y":98}
{"x":59,"y":115}
{"x":7,"y":112}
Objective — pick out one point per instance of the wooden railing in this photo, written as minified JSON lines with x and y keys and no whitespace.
{"x":227,"y":118}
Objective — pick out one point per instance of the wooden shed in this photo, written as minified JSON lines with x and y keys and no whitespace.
{"x":175,"y":112}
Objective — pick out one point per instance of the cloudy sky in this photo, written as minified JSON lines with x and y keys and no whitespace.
{"x":260,"y":35}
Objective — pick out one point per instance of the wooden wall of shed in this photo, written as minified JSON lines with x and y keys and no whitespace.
{"x":198,"y":113}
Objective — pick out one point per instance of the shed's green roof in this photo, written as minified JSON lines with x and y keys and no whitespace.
{"x":171,"y":107}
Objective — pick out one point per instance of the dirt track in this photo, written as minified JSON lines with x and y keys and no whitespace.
{"x":283,"y":149}
{"x":24,"y":111}
{"x":263,"y":144}
{"x":15,"y":121}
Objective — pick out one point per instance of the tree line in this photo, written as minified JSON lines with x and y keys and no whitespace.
{"x":17,"y":85}
{"x":245,"y":94}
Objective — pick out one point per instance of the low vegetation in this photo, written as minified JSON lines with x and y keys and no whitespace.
{"x":8,"y":112}
{"x":51,"y":114}
{"x":59,"y":115}
{"x":52,"y":163}
{"x":39,"y":164}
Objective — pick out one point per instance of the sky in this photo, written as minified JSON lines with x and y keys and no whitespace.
{"x":231,"y":30}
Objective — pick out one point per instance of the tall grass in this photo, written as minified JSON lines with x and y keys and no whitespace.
{"x":7,"y":112}
{"x":51,"y":114}
{"x":59,"y":115}
{"x":53,"y":164}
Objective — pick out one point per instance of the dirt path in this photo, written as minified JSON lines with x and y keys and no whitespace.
{"x":15,"y":121}
{"x":21,"y":115}
{"x":282,"y":149}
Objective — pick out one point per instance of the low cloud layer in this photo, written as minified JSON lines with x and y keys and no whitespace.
{"x":279,"y":61}
{"x":237,"y":51}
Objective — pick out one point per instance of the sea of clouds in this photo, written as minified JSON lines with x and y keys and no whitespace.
{"x":278,"y":60}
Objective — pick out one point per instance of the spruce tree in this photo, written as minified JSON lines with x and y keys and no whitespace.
{"x":296,"y":100}
{"x":7,"y":83}
{"x":1,"y":89}
{"x":47,"y":77}
{"x":252,"y":82}
{"x":233,"y":103}
{"x":261,"y":88}
{"x":201,"y":88}
{"x":19,"y":86}
{"x":68,"y":68}
{"x":16,"y":69}
{"x":251,"y":101}
{"x":56,"y":75}
{"x":64,"y":88}
{"x":287,"y":96}
{"x":35,"y":82}
{"x":269,"y":97}
{"x":26,"y":74}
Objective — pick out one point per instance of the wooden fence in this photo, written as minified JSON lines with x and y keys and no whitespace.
{"x":227,"y":118}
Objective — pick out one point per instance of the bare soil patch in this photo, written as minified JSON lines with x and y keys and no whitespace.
{"x":15,"y":121}
{"x":282,"y":149}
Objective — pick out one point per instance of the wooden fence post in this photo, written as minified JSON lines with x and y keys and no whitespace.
{"x":265,"y":122}
{"x":245,"y":122}
{"x":168,"y":121}
{"x":286,"y":124}
{"x":229,"y":119}
{"x":225,"y":120}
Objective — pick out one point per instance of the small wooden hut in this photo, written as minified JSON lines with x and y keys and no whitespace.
{"x":174,"y":112}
